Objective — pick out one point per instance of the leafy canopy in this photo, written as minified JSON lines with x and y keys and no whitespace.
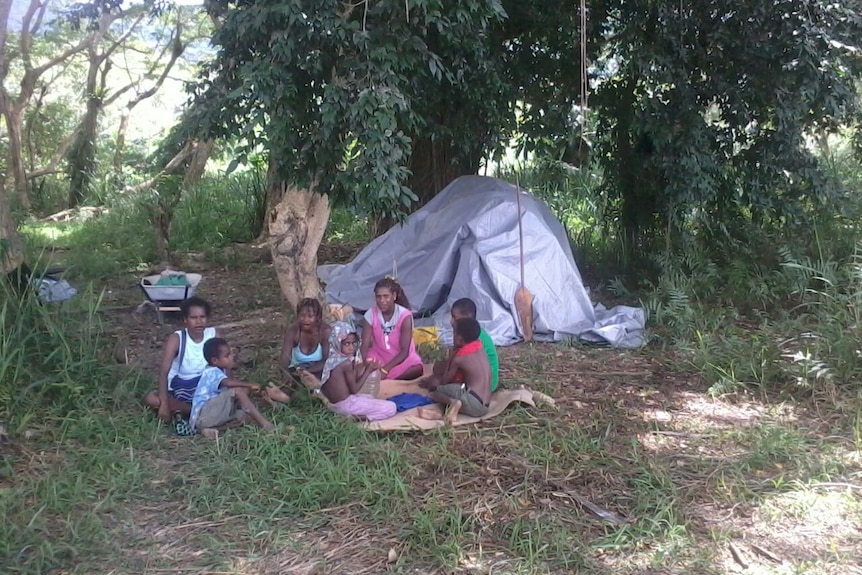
{"x":700,"y":109}
{"x":704,"y":107}
{"x":336,"y":91}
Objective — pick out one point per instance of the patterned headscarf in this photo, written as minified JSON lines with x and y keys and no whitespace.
{"x":340,"y":331}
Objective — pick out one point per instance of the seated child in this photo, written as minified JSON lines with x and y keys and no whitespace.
{"x":387,"y":337}
{"x":343,"y":378}
{"x":220,"y":401}
{"x":306,"y":341}
{"x":465,"y":307}
{"x":466,"y":385}
{"x":182,"y":361}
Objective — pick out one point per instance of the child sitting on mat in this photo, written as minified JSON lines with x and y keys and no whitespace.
{"x":465,"y":307}
{"x":220,"y":401}
{"x":343,"y":378}
{"x":466,"y":385}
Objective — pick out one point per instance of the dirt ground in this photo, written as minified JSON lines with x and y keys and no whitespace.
{"x":643,"y":407}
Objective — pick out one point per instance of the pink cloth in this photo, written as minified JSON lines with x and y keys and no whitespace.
{"x":385,"y":347}
{"x":365,"y":406}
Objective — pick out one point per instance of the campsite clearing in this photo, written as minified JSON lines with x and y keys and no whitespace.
{"x":690,"y":484}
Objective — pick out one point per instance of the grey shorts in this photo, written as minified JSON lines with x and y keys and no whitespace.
{"x":470,"y":403}
{"x":219,"y":411}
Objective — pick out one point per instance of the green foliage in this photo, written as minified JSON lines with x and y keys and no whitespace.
{"x":50,"y":353}
{"x":336,"y":92}
{"x":345,"y":226}
{"x":702,"y":120}
{"x":218,"y":211}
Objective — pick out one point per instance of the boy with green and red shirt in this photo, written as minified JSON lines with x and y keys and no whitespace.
{"x":466,"y":308}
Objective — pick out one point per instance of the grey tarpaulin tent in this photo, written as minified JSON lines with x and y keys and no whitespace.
{"x":464,"y":243}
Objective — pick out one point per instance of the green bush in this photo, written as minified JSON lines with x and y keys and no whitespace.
{"x":216,"y":212}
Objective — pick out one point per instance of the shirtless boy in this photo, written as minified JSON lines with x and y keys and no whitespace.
{"x":466,"y":385}
{"x":465,"y":307}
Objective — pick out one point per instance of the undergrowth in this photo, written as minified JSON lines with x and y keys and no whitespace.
{"x":218,"y":211}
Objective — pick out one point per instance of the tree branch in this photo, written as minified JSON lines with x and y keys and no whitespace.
{"x":177,"y":48}
{"x":108,"y":101}
{"x":122,"y":38}
{"x":28,"y":29}
{"x":172,"y":165}
{"x":51,"y":166}
{"x":5,"y":9}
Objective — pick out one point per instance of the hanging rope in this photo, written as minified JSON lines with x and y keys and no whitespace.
{"x":585,"y":80}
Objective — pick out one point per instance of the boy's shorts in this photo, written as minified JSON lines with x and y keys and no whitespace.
{"x":470,"y":403}
{"x":219,"y":411}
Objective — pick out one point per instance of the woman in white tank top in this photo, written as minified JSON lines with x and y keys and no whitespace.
{"x":182,"y":361}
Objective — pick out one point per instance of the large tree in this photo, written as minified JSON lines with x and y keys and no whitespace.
{"x":11,"y":254}
{"x":701,"y":107}
{"x":704,"y":107}
{"x":339,"y":93}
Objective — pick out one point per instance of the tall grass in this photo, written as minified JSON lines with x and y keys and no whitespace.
{"x":216,"y":212}
{"x":52,"y":356}
{"x":56,"y":381}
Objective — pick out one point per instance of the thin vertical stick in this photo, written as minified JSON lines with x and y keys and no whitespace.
{"x":520,"y":232}
{"x":585,"y":81}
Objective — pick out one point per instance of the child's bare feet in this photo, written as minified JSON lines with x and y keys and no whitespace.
{"x":269,"y":427}
{"x":431,"y":413}
{"x":452,"y":415}
{"x":275,"y":394}
{"x":209,"y":433}
{"x":308,"y":380}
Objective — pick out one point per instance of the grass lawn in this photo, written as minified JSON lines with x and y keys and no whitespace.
{"x":693,"y":484}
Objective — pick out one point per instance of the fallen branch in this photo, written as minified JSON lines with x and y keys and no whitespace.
{"x":71,"y":213}
{"x":599,"y":512}
{"x":765,"y":553}
{"x":737,"y":555}
{"x":681,"y":433}
{"x":621,"y":373}
{"x":242,"y":323}
{"x":835,"y":484}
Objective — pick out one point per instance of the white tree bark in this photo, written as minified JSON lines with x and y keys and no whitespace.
{"x":296,"y":221}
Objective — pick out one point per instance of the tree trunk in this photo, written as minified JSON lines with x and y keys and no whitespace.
{"x":120,"y":149}
{"x":82,"y":156}
{"x":433,"y":165}
{"x":297,"y":220}
{"x":162,"y":220}
{"x":11,"y":251}
{"x":203,"y":149}
{"x":14,"y":126}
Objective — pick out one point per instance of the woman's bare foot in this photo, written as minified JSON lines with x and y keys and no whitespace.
{"x":452,"y":414}
{"x":209,"y":433}
{"x":431,"y":413}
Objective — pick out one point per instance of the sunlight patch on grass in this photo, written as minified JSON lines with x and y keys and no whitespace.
{"x":817,"y":530}
{"x":45,"y":234}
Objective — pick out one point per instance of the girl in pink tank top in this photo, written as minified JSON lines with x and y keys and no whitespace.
{"x":387,"y":337}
